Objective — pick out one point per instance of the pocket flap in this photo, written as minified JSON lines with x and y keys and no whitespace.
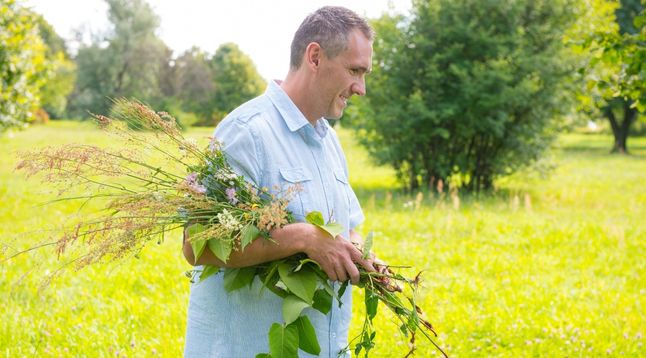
{"x":295,"y":175}
{"x":340,"y":176}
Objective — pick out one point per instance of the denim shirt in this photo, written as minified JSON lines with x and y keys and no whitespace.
{"x":271,"y":143}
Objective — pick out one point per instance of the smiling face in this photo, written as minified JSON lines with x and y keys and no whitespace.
{"x":342,"y":76}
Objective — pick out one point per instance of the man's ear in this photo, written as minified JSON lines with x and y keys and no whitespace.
{"x":313,"y":54}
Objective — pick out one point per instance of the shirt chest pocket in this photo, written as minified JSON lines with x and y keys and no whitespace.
{"x":296,"y":184}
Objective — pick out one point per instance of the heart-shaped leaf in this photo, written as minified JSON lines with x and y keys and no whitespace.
{"x":237,"y":278}
{"x":248,"y":234}
{"x":197,"y":245}
{"x":207,"y":271}
{"x":292,"y":308}
{"x":322,"y":301}
{"x":307,"y":340}
{"x":301,"y":283}
{"x":221,"y":249}
{"x":315,"y":218}
{"x":283,"y":341}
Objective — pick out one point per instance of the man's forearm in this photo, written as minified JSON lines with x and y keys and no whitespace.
{"x":337,"y":257}
{"x":289,"y":240}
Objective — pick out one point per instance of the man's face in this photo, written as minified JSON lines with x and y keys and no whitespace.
{"x":344,"y":75}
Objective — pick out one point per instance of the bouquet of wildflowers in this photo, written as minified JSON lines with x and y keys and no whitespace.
{"x":157,"y":181}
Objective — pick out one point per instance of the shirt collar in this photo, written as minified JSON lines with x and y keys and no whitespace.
{"x":292,"y":116}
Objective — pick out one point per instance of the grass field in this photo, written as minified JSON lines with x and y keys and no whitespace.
{"x":548,"y":267}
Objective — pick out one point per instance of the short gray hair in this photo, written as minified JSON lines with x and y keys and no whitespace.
{"x":328,"y":26}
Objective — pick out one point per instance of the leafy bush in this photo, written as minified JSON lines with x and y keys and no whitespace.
{"x":464,"y":88}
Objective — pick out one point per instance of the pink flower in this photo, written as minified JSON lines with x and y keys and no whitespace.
{"x":193,"y":185}
{"x":231,"y":195}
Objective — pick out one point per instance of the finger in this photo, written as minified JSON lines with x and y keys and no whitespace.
{"x":341,"y":274}
{"x":354,"y":273}
{"x":366,"y":264}
{"x":330,"y":272}
{"x":357,"y":257}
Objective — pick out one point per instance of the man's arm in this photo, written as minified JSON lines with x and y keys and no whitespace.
{"x":337,"y":257}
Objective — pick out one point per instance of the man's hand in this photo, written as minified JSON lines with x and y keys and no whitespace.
{"x":337,"y":257}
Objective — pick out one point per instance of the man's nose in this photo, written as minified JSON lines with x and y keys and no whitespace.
{"x":359,"y":87}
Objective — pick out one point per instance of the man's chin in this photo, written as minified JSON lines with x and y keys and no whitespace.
{"x":334,"y":116}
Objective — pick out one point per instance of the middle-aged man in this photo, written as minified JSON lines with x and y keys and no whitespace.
{"x":282,"y":139}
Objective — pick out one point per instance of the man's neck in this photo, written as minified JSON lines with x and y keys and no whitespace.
{"x":298,"y":87}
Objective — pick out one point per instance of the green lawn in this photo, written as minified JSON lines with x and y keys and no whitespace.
{"x":543,"y":267}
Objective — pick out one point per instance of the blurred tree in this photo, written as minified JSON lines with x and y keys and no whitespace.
{"x":610,"y":37}
{"x":23,"y":65}
{"x":465,"y":90}
{"x":195,"y":86}
{"x":235,"y":78}
{"x":62,"y":70}
{"x":127,"y":62}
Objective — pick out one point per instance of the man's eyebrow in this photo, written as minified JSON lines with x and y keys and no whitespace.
{"x":365,"y":70}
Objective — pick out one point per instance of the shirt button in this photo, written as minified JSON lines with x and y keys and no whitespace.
{"x":333,"y":335}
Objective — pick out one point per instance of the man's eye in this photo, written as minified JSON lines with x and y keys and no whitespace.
{"x":354,"y":71}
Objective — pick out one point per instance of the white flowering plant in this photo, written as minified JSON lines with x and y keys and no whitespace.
{"x":158,"y":181}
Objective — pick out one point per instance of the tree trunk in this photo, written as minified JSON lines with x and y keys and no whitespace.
{"x":621,"y":128}
{"x":413,"y":183}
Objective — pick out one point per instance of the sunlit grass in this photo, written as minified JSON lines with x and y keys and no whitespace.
{"x":543,"y":267}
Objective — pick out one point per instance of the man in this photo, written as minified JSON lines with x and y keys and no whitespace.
{"x":281,"y":139}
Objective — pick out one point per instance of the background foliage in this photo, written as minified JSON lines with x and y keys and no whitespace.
{"x":130,"y":60}
{"x":610,"y":41}
{"x":23,"y":65}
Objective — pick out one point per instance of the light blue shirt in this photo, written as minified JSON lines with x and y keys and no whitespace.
{"x":271,"y":143}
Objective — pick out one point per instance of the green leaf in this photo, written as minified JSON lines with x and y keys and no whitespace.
{"x":292,"y":308}
{"x":367,"y":246}
{"x":249,"y":233}
{"x":315,"y":218}
{"x":333,"y":229}
{"x":221,"y":249}
{"x":263,"y":355}
{"x":328,"y":288}
{"x":639,"y":20}
{"x":404,"y":329}
{"x":372,"y":301}
{"x":322,"y":301}
{"x":342,"y":289}
{"x":305,"y":261}
{"x":197,"y":245}
{"x":301,"y":283}
{"x":237,"y":278}
{"x":283,"y":341}
{"x":207,"y":271}
{"x":307,"y":340}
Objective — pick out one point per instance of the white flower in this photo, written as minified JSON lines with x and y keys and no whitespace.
{"x":227,"y":221}
{"x":225,"y":176}
{"x":192,"y":142}
{"x":214,"y":145}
